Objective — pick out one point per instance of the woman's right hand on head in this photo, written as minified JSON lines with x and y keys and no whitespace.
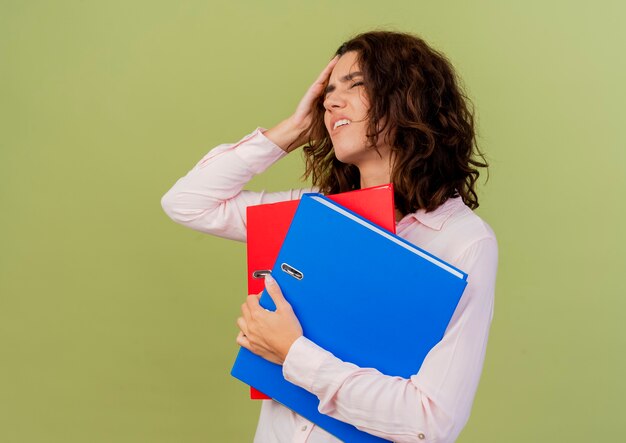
{"x":302,"y":117}
{"x":292,"y":132}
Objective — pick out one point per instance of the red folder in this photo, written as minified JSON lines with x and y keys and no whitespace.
{"x":267,"y":227}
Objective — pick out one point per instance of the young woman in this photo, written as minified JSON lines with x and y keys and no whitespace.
{"x":387,"y":108}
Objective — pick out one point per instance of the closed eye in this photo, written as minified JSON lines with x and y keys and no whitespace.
{"x":356,"y":84}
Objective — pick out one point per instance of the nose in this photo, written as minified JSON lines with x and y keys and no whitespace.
{"x":334,"y":100}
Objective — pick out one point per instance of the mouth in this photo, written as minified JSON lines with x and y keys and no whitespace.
{"x":341,"y":124}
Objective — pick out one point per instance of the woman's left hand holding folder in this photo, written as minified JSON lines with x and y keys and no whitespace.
{"x":268,"y":334}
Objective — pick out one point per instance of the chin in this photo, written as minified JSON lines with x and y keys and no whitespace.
{"x":344,"y":157}
{"x":349,"y":154}
{"x":343,"y":160}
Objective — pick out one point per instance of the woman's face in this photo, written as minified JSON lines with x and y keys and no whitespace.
{"x":346,"y":105}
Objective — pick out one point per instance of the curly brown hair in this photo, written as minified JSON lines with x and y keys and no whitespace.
{"x":413,"y":90}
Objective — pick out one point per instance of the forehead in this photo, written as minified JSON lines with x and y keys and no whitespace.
{"x":347,"y":64}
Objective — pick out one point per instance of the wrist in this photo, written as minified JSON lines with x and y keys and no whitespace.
{"x":287,"y":347}
{"x":287,"y":135}
{"x":303,"y":363}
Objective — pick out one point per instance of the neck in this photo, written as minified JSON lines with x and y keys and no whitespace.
{"x":376,"y":174}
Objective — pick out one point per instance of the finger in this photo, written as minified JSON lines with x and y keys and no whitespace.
{"x":245,"y":310}
{"x":275,"y":292}
{"x":253,"y":303}
{"x":318,"y":85}
{"x":242,"y":324}
{"x":327,"y":70}
{"x":315,"y":90}
{"x":254,"y":298}
{"x":243,"y":341}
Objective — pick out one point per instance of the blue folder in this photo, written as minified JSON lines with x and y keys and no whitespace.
{"x":364,"y":294}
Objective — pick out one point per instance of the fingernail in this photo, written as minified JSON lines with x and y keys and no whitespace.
{"x":269,"y":278}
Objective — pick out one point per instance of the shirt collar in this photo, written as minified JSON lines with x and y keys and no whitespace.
{"x":435,"y":219}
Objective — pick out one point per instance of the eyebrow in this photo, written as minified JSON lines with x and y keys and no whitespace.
{"x":345,"y":78}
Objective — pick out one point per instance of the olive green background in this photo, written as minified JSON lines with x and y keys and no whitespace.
{"x":118,"y":325}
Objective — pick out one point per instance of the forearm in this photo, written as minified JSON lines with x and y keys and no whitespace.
{"x":436,"y":401}
{"x":392,"y":408}
{"x":209,"y":198}
{"x":287,"y":135}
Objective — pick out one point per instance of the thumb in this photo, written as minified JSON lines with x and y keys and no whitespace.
{"x":275,"y":293}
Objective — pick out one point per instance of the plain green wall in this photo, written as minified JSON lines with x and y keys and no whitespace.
{"x":118,"y":325}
